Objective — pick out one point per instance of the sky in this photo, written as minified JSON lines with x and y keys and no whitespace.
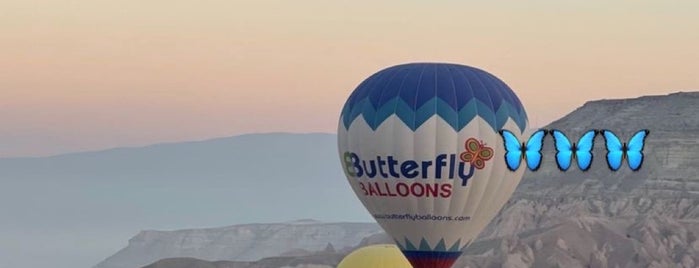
{"x":88,"y":75}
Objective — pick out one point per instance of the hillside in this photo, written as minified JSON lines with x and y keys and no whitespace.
{"x":248,"y":242}
{"x":600,"y":218}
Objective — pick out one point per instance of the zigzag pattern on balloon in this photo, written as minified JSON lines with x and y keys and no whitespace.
{"x":441,"y":246}
{"x":415,"y":118}
{"x":416,"y":92}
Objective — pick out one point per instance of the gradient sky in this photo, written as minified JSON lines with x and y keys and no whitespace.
{"x":85,"y":75}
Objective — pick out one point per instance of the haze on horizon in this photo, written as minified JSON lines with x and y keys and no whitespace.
{"x":78,"y":76}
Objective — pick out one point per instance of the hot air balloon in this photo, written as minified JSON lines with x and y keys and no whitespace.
{"x":419,"y":145}
{"x":384,"y":256}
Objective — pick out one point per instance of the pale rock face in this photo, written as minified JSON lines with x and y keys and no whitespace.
{"x":538,"y":244}
{"x":687,"y":262}
{"x":562,"y":244}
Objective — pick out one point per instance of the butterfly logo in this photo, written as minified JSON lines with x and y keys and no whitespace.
{"x":530,"y":151}
{"x":580,"y":151}
{"x":476,"y":153}
{"x":631,"y":151}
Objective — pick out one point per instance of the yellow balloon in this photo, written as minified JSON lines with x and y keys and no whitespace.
{"x":380,"y":256}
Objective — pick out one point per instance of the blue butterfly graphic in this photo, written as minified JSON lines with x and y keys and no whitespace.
{"x":580,"y":151}
{"x":632,"y":151}
{"x":516,"y":151}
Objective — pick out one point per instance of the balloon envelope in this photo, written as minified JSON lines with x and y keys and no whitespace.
{"x":420,"y":147}
{"x":384,"y":256}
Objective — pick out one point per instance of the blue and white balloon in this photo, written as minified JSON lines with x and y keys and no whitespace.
{"x":420,"y":146}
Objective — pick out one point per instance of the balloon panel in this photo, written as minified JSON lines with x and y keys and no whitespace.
{"x":420,"y":148}
{"x":384,"y":256}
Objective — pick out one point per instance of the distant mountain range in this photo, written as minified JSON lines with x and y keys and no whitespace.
{"x":598,"y":218}
{"x":74,"y":210}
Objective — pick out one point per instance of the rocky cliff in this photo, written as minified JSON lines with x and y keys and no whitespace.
{"x":599,"y":218}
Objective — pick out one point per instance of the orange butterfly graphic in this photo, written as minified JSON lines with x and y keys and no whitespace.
{"x":476,"y":153}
